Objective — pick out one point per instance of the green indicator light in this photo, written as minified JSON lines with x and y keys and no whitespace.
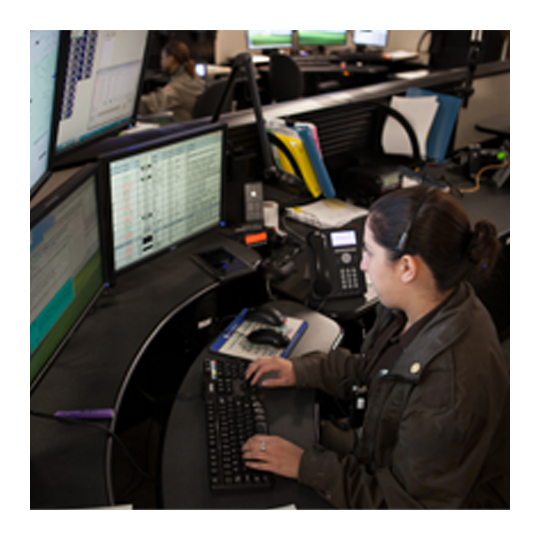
{"x":501,"y":155}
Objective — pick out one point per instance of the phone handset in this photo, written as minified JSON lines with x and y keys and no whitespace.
{"x":335,"y":264}
{"x":320,"y":273}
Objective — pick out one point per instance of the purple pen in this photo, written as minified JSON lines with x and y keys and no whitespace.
{"x":87,"y":414}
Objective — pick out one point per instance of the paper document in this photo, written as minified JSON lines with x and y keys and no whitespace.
{"x":411,"y":75}
{"x":326,"y":213}
{"x":140,"y":126}
{"x":420,"y":112}
{"x":401,"y":55}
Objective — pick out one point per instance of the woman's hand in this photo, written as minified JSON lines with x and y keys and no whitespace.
{"x":275,"y":364}
{"x":272,"y":454}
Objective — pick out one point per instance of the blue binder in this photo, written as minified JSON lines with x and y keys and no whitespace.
{"x":443,"y":123}
{"x":325,"y":183}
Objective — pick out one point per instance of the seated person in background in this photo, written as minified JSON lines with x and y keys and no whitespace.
{"x":436,"y":430}
{"x":180,"y":94}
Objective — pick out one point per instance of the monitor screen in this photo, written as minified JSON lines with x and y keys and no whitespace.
{"x":269,"y":39}
{"x":321,"y":38}
{"x":44,"y":56}
{"x":66,"y":266}
{"x":101,"y":84}
{"x":370,"y":38}
{"x":164,"y":192}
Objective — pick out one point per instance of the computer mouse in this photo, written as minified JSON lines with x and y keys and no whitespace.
{"x":266,"y":314}
{"x":269,"y":336}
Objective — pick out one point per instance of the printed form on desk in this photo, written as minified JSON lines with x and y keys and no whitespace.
{"x":326,"y":213}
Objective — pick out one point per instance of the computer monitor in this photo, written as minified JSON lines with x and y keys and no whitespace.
{"x":269,"y":39}
{"x":67,"y":271}
{"x":45,"y":54}
{"x":370,"y":38}
{"x":163,"y":193}
{"x":321,"y":38}
{"x":101,"y":86}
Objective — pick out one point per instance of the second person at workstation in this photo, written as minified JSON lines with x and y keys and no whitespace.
{"x":180,"y":95}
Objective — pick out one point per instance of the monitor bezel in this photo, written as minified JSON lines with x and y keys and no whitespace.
{"x":69,"y":155}
{"x":63,"y":47}
{"x":104,"y":163}
{"x":39,"y":212}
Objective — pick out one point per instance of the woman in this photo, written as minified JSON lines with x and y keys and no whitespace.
{"x":180,"y":95}
{"x":436,"y":432}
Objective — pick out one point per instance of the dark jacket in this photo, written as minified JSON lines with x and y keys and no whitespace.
{"x":436,"y":433}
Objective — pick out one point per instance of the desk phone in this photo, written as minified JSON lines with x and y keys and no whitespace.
{"x":335,"y":264}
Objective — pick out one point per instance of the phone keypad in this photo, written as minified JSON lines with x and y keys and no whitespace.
{"x":349,"y":278}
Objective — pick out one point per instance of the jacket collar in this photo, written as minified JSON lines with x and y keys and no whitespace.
{"x":441,"y":332}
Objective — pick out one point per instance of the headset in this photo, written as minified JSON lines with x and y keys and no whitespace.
{"x":405,"y":236}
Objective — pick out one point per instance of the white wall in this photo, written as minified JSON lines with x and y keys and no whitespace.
{"x":229,"y":43}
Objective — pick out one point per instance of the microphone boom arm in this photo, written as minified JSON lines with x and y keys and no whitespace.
{"x":271,"y":170}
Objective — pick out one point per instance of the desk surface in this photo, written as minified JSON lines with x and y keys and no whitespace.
{"x":490,"y":203}
{"x":91,"y":370}
{"x":325,"y":66}
{"x":499,"y":125}
{"x":290,"y":413}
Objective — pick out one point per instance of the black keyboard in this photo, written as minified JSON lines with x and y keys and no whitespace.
{"x":234,"y":412}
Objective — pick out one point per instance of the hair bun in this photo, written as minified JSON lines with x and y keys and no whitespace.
{"x":484,"y":245}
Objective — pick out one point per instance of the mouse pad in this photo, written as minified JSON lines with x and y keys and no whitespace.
{"x":234,"y":342}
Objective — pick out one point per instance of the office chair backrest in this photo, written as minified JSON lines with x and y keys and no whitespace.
{"x":286,"y":80}
{"x":208,"y":101}
{"x":382,"y":113}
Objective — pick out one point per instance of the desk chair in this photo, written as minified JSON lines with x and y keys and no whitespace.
{"x":286,"y":79}
{"x":205,"y":105}
{"x":354,"y":181}
{"x":207,"y":102}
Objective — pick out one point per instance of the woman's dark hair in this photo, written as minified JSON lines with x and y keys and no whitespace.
{"x":432,"y":224}
{"x":180,"y":52}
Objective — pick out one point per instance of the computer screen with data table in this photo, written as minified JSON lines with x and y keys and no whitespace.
{"x":164,"y":192}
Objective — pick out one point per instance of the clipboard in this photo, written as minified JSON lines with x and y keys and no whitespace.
{"x":234,"y":342}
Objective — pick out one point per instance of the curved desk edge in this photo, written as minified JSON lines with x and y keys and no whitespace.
{"x":127,"y":378}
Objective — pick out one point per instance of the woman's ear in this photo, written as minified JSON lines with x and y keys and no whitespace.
{"x":408,"y":267}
